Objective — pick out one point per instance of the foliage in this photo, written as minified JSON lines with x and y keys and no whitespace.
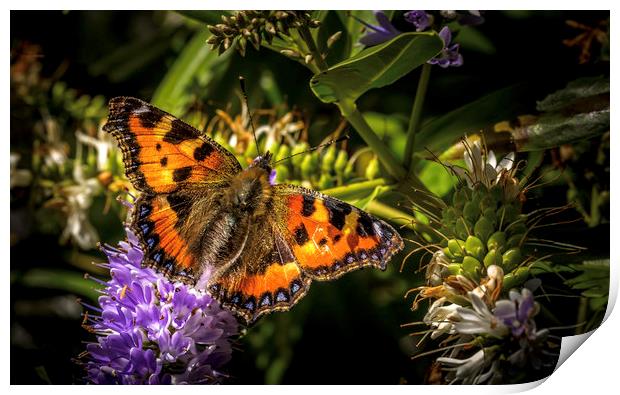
{"x":413,"y":105}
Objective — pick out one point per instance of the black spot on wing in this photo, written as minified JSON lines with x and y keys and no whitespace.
{"x":301,"y":235}
{"x":203,"y":151}
{"x":158,"y":147}
{"x":308,"y":206}
{"x":151,"y":117}
{"x":163,"y":161}
{"x":337,"y":212}
{"x":181,"y":204}
{"x":181,"y":174}
{"x":364,"y":225}
{"x":179,"y":132}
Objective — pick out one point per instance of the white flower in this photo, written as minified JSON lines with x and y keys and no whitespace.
{"x":19,"y":177}
{"x":78,"y":200}
{"x":441,"y":317}
{"x":484,"y":168}
{"x":479,"y":320}
{"x":468,"y":370}
{"x":103,"y":144}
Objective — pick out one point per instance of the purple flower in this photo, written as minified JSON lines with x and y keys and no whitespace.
{"x":419,"y":19}
{"x":153,"y":331}
{"x":517,"y":312}
{"x":449,"y":55}
{"x":379,"y":34}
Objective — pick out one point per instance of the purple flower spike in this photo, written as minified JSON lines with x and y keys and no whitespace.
{"x":419,"y":19}
{"x":153,"y":331}
{"x":379,"y":34}
{"x":449,"y":55}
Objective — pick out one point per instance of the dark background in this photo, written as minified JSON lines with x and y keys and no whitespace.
{"x":347,"y":331}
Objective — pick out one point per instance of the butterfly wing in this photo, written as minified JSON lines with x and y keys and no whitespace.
{"x":265,"y":278}
{"x":329,"y":237}
{"x":309,"y":236}
{"x":179,"y":172}
{"x":162,"y":153}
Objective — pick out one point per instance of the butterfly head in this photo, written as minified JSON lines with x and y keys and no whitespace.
{"x":264,"y":162}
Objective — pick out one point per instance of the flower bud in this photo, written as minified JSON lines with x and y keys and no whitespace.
{"x":483,"y":229}
{"x":372,"y":170}
{"x":471,"y":211}
{"x":462,"y":228}
{"x":283,"y":152}
{"x":459,"y":198}
{"x":325,"y":181}
{"x":454,"y":269}
{"x":490,"y":214}
{"x":474,"y":247}
{"x":298,"y":149}
{"x":497,"y":240}
{"x":341,"y":162}
{"x":471,"y":267}
{"x":456,"y":247}
{"x":488,"y":202}
{"x":448,"y":253}
{"x":307,"y":167}
{"x":493,"y":257}
{"x":327,"y":161}
{"x":515,"y":240}
{"x":511,"y":258}
{"x":516,"y":278}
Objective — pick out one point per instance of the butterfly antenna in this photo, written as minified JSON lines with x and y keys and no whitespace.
{"x":245,"y":99}
{"x":330,"y":142}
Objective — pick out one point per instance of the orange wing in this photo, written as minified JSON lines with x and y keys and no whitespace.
{"x":266,"y":278}
{"x":173,"y":164}
{"x":329,"y":237}
{"x":162,"y":153}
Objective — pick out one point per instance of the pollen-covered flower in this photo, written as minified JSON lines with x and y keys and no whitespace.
{"x":153,"y":331}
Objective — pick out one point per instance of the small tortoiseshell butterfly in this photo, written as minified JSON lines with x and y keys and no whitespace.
{"x":204,"y":220}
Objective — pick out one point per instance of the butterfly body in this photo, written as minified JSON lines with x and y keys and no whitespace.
{"x":204,"y":220}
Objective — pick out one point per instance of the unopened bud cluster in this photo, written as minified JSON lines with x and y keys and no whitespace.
{"x":253,"y":27}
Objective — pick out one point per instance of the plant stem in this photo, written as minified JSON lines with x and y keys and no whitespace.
{"x":305,"y":34}
{"x":396,"y":216}
{"x":351,"y":191}
{"x":416,"y":114}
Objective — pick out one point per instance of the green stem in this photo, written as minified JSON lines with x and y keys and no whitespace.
{"x":352,"y":114}
{"x":353,"y":191}
{"x":305,"y":34}
{"x":396,"y":216}
{"x":416,"y":115}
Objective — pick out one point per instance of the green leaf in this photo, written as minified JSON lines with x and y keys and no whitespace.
{"x":208,"y":17}
{"x":61,"y":279}
{"x":375,"y":67}
{"x":440,"y":133}
{"x":172,"y":93}
{"x":574,"y":92}
{"x":363,"y":203}
{"x":555,"y":129}
{"x":355,"y":29}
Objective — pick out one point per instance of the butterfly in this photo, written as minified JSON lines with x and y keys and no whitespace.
{"x":204,"y":220}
